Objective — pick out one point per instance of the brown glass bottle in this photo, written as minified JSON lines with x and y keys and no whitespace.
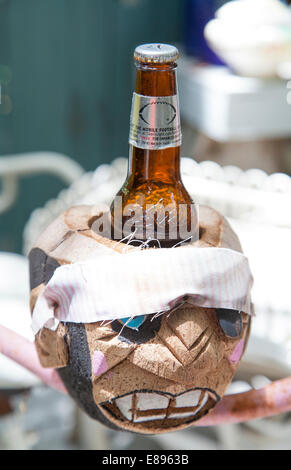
{"x":153,"y":205}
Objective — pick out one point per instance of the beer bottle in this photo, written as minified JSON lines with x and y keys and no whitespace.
{"x":153,"y":207}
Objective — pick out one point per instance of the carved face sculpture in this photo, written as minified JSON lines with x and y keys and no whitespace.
{"x":151,"y":373}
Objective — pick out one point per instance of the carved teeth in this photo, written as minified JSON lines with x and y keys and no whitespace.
{"x":188,"y":399}
{"x":137,"y":407}
{"x":151,"y":401}
{"x":143,"y":419}
{"x":181,"y":415}
{"x":143,"y":402}
{"x":124,"y":404}
{"x":204,"y":400}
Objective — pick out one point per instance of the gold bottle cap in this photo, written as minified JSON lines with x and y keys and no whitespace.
{"x":156,"y":53}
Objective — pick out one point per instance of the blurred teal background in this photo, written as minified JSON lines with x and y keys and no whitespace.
{"x":67,"y":76}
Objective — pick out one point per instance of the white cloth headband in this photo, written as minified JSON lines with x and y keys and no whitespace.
{"x":143,"y":282}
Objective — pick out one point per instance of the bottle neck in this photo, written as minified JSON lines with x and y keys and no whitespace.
{"x":156,"y":80}
{"x":159,"y":161}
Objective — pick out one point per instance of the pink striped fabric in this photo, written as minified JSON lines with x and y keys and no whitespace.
{"x":143,"y":282}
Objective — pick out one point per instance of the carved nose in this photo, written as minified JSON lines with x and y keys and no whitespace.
{"x":188,"y":333}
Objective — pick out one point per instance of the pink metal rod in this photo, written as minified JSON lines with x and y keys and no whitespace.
{"x":271,"y":400}
{"x":24,"y":353}
{"x":268,"y":401}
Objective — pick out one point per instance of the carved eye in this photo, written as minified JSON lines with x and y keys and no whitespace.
{"x":230,"y":322}
{"x":133,"y":323}
{"x":137,"y":330}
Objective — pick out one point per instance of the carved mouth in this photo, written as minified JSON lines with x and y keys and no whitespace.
{"x":155,"y":409}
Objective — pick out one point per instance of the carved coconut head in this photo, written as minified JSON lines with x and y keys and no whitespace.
{"x":149,"y":374}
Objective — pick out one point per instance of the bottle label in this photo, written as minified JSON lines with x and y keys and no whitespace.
{"x":155,"y":122}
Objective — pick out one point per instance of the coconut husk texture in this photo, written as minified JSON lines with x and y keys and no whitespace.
{"x":164,"y":375}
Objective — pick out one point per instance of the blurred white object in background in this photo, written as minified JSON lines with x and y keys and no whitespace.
{"x":284,"y":72}
{"x":15,"y":314}
{"x":14,"y":280}
{"x":252,"y":36}
{"x":254,"y":12}
{"x":230,"y":108}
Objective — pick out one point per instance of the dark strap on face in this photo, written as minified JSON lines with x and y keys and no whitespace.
{"x":41,"y":267}
{"x":77,"y":376}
